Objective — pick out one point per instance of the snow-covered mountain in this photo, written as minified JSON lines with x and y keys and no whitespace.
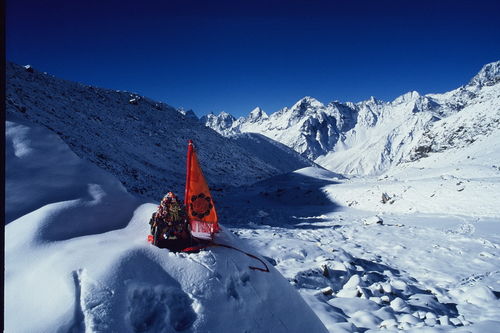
{"x":140,"y":141}
{"x":415,"y":249}
{"x":371,"y":136}
{"x":223,"y":122}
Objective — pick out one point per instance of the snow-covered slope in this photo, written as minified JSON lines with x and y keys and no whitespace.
{"x":423,"y":257}
{"x":369,"y":137}
{"x":77,"y":260}
{"x":463,"y":181}
{"x":140,"y":141}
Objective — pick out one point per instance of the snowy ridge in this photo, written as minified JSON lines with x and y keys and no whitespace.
{"x":488,"y":76}
{"x":140,"y":141}
{"x":369,"y":137}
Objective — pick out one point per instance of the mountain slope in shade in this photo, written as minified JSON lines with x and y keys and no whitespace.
{"x":274,"y":153}
{"x":371,"y":136}
{"x":141,"y":141}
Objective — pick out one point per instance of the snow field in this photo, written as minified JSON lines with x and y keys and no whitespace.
{"x":385,"y":276}
{"x":462,"y":181}
{"x":360,"y":271}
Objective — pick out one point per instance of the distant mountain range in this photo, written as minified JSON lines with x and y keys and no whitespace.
{"x":369,"y":137}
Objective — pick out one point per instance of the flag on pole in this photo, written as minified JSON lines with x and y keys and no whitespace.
{"x":198,"y":200}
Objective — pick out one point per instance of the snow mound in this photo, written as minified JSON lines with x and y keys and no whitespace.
{"x":76,"y":258}
{"x":43,"y":173}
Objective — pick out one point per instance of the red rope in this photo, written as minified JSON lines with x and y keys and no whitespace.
{"x":197,"y":248}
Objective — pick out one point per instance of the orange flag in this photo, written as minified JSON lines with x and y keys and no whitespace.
{"x":198,"y":200}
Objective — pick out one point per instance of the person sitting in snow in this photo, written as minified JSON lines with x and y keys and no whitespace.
{"x":169,"y":224}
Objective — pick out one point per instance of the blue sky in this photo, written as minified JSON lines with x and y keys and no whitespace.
{"x":235,"y":55}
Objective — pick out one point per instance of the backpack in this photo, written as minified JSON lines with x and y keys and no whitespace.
{"x":169,"y":223}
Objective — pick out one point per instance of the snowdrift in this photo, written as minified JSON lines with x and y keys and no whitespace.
{"x":77,"y":258}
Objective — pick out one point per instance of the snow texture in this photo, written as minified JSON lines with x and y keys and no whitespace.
{"x":401,"y":269}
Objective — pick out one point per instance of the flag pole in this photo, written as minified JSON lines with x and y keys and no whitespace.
{"x":188,"y":173}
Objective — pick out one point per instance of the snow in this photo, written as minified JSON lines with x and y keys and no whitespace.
{"x":410,"y":245}
{"x":257,"y":114}
{"x":274,"y":153}
{"x":437,"y":250}
{"x":80,"y":262}
{"x":488,"y":75}
{"x":433,"y":264}
{"x":463,"y":181}
{"x":369,"y":137}
{"x":141,"y":143}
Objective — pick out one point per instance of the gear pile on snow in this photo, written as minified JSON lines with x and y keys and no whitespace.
{"x":192,"y":227}
{"x":176,"y":226}
{"x":168,"y":224}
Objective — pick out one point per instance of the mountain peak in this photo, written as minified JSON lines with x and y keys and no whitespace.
{"x":309,"y":101}
{"x":487,"y":76}
{"x":407,"y":97}
{"x":224,"y":114}
{"x":187,"y":113}
{"x":371,"y":100}
{"x":257,"y":114}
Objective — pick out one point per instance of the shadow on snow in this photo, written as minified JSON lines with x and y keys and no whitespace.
{"x":292,"y":199}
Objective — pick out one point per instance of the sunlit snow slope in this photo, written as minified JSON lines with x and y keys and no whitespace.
{"x":416,"y":248}
{"x":426,"y":260}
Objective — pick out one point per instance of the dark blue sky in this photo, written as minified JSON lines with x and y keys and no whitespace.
{"x":234,"y":56}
